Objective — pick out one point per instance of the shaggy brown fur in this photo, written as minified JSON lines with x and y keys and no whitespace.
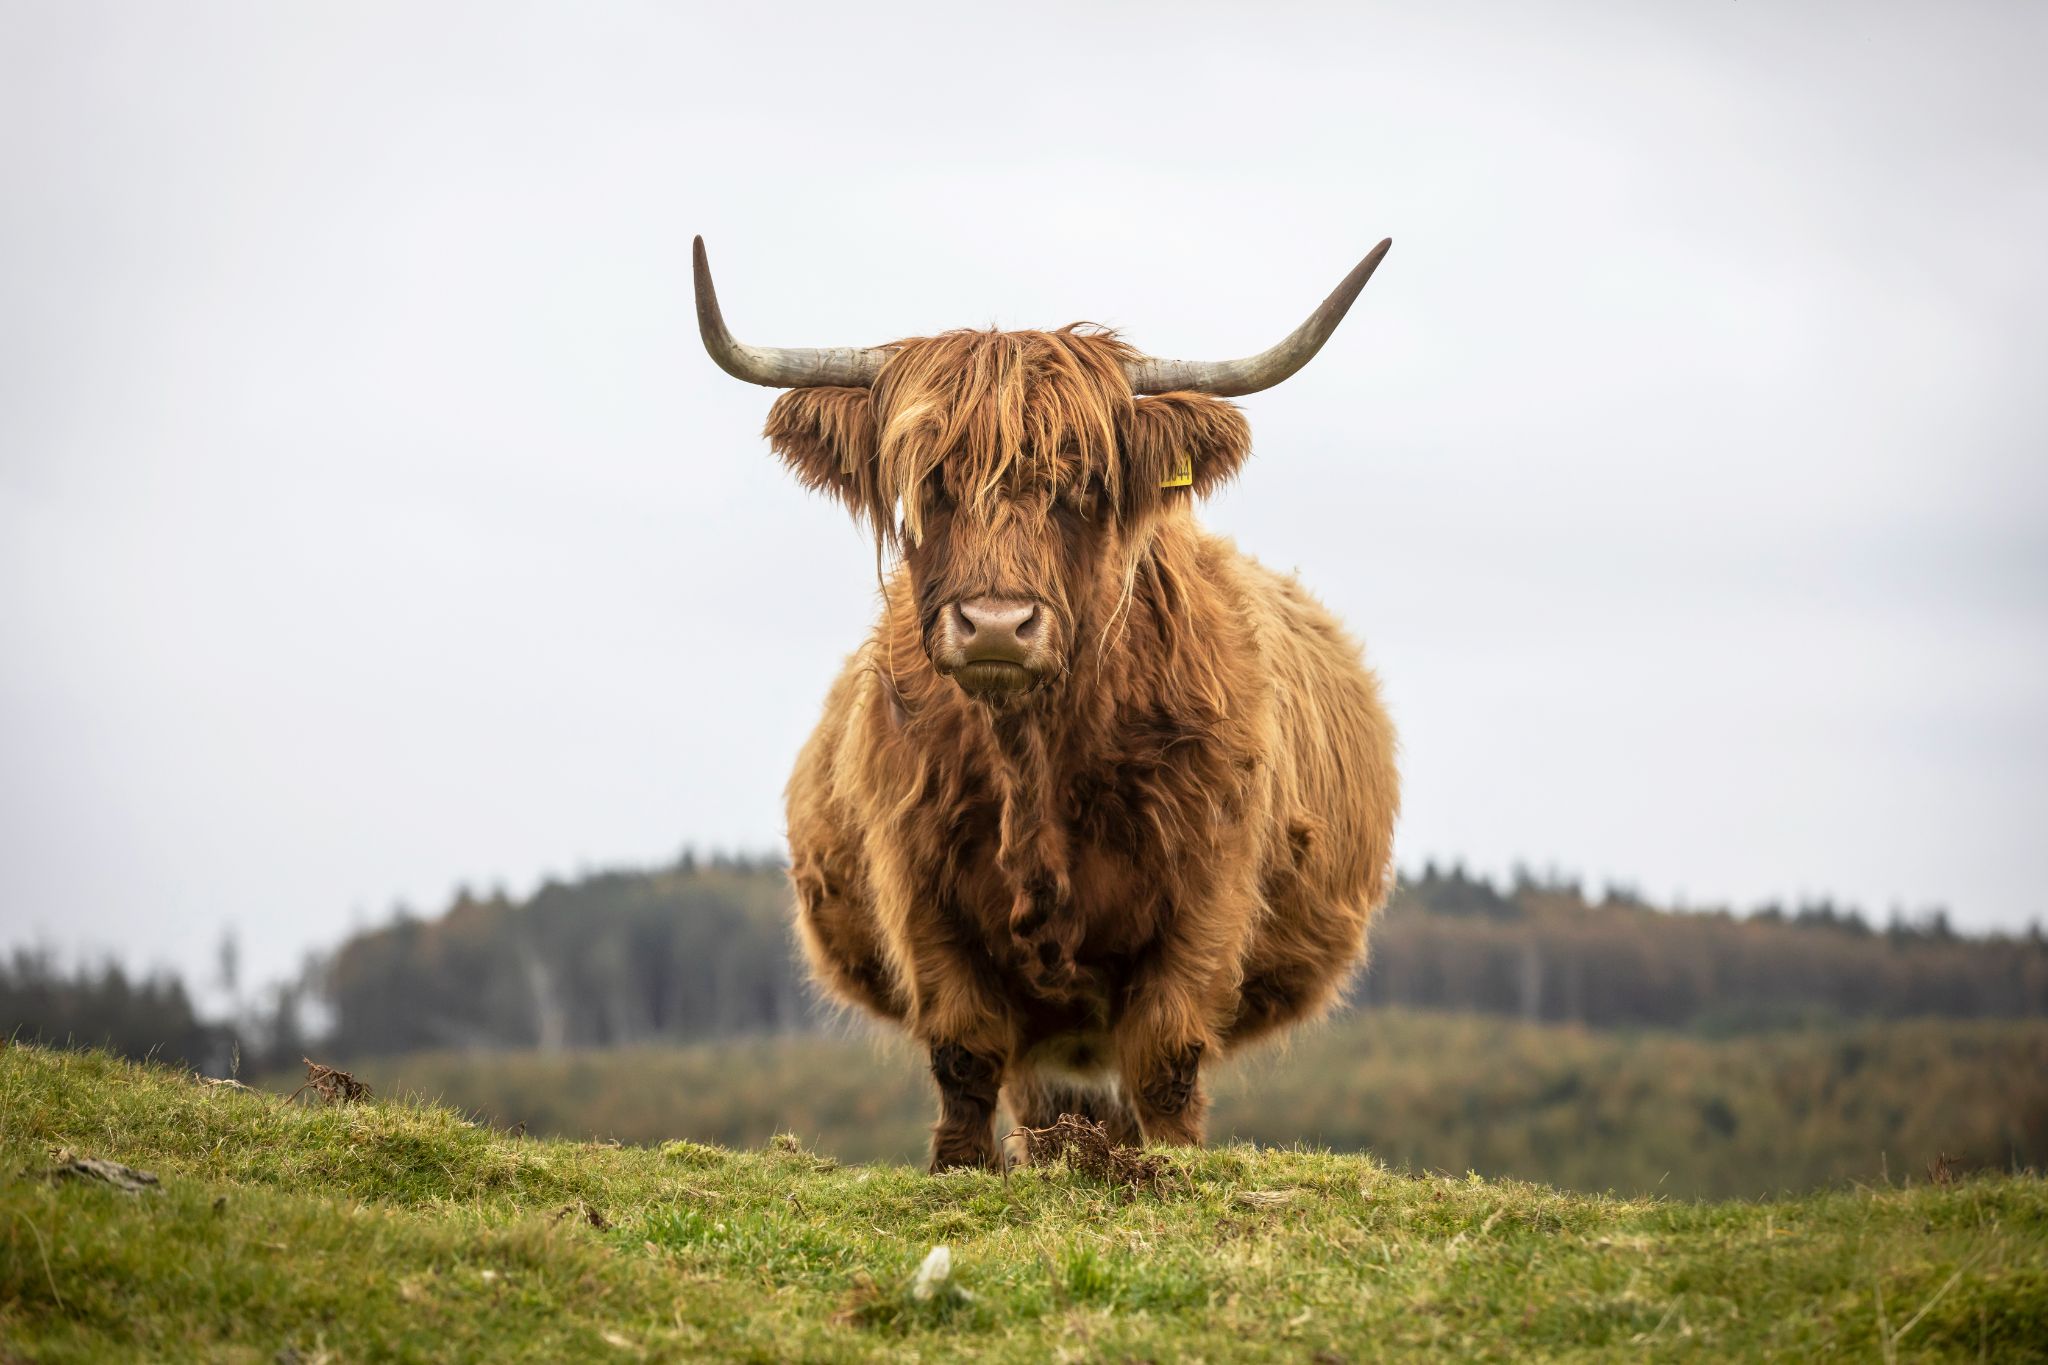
{"x":1171,"y":846}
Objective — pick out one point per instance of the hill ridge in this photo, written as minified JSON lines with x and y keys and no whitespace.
{"x":394,"y":1228}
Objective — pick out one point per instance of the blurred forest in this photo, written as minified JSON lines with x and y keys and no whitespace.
{"x":701,"y":951}
{"x":1521,"y":1029}
{"x":102,"y":1005}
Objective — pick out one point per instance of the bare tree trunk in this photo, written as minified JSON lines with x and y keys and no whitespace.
{"x":550,"y":1022}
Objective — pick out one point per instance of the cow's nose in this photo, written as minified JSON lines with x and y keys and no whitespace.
{"x":996,"y":628}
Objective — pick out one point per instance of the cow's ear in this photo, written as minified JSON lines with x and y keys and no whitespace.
{"x":828,"y":437}
{"x":1183,"y":441}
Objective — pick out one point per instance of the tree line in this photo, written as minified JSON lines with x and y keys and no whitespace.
{"x":100,"y":1004}
{"x":701,"y":950}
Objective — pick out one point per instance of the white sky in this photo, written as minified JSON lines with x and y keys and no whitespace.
{"x":371,"y":520}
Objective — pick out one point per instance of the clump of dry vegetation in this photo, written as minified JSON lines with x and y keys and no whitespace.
{"x":1084,"y":1147}
{"x":331,"y":1084}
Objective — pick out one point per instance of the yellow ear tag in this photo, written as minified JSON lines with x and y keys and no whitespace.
{"x":1183,"y":475}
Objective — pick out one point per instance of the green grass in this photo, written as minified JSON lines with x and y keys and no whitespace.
{"x":400,"y":1230}
{"x":1639,"y":1113}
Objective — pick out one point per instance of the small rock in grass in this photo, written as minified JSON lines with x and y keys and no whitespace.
{"x":933,"y":1282}
{"x":932,"y":1275}
{"x":124,"y":1178}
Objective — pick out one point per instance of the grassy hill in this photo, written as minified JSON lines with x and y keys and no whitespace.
{"x":1637,"y":1112}
{"x":384,"y":1229}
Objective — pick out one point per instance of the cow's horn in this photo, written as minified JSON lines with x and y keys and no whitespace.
{"x":778,"y":367}
{"x":1233,"y":378}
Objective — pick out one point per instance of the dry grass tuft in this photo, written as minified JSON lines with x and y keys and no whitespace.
{"x":331,"y":1084}
{"x":1086,"y":1148}
{"x":220,"y":1082}
{"x":584,"y":1212}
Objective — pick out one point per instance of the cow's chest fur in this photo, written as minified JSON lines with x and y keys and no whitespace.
{"x":1066,"y":867}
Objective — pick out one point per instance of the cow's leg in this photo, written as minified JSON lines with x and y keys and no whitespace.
{"x":961,"y":1020}
{"x":1161,"y":1041}
{"x":965,"y":1133}
{"x":1164,"y":1082}
{"x":960,"y":1017}
{"x":1036,"y":1100}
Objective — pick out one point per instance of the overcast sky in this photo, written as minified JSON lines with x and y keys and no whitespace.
{"x":371,"y":519}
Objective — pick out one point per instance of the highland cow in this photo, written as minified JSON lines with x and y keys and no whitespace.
{"x":1100,"y":799}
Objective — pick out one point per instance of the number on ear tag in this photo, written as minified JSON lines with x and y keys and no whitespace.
{"x":1183,"y":475}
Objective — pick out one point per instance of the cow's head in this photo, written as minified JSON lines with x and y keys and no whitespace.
{"x":1021,"y":474}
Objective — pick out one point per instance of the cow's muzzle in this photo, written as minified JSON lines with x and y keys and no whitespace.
{"x":993,"y":646}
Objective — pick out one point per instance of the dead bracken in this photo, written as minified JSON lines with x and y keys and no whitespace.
{"x":1086,"y":1147}
{"x":331,"y":1084}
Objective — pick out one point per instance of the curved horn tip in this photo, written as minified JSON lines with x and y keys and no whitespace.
{"x":1252,"y":374}
{"x":775,"y":367}
{"x":700,"y":261}
{"x":1371,"y":260}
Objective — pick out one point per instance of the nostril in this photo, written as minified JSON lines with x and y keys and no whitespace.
{"x":996,"y":627}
